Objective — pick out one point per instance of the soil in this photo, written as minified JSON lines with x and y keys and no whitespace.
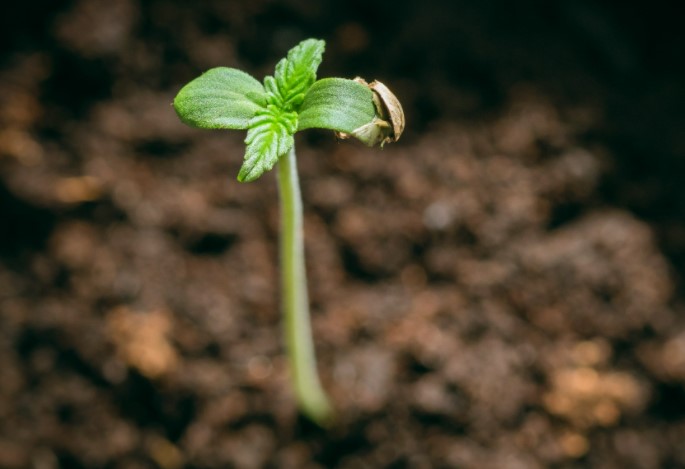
{"x":503,"y":288}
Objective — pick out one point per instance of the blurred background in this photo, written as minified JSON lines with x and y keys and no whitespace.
{"x":503,"y":288}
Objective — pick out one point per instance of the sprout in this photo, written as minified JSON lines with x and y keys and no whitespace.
{"x":291,"y":100}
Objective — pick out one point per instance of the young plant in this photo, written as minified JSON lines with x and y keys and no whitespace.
{"x":287,"y":102}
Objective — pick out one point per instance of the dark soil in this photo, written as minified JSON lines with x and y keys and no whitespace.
{"x":503,"y":288}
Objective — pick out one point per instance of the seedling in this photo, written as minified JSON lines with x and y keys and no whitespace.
{"x":289,"y":101}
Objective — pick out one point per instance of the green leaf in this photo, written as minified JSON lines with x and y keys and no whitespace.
{"x":270,"y":136}
{"x":295,"y":74}
{"x":337,"y":104}
{"x":221,"y":98}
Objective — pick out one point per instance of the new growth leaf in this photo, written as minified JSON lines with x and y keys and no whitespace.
{"x":290,"y":100}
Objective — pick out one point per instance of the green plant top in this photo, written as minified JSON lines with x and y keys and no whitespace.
{"x":290,"y":100}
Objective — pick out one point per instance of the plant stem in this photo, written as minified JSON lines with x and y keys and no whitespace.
{"x":310,"y":395}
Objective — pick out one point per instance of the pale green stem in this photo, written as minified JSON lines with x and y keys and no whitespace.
{"x":310,"y":395}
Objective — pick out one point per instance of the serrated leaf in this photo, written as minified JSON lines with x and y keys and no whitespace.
{"x":295,"y":74}
{"x":221,"y":98}
{"x":337,"y":104}
{"x":270,"y":136}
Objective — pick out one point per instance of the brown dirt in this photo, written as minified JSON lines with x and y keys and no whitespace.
{"x":501,"y":289}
